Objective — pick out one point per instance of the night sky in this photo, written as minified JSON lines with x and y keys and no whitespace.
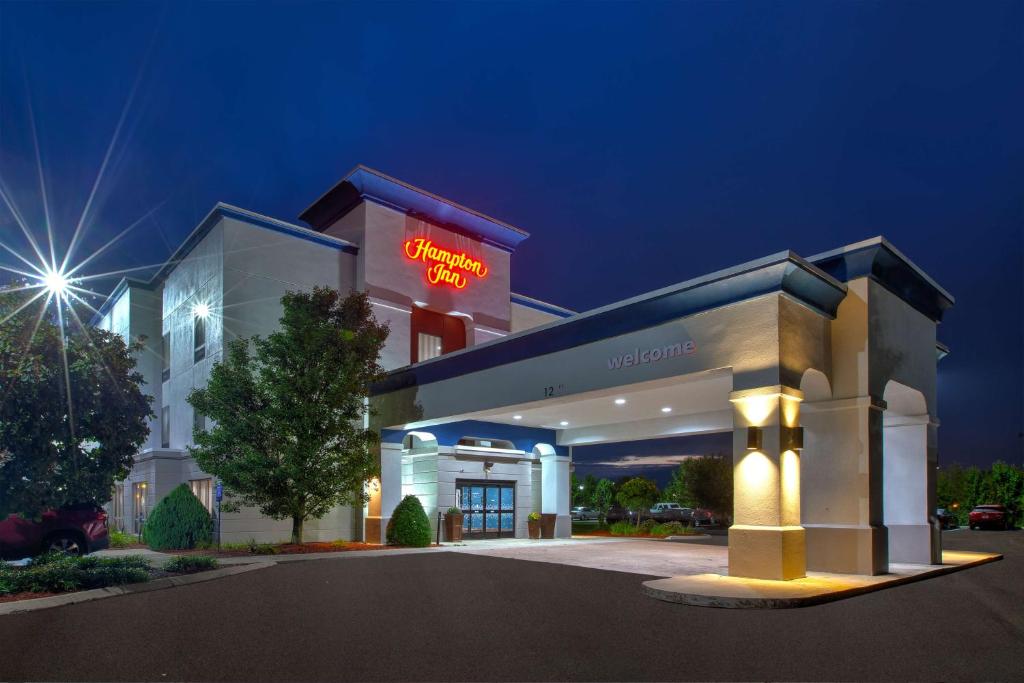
{"x":641,"y":144}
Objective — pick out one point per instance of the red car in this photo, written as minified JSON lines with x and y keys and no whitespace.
{"x":76,"y":529}
{"x":994,"y":516}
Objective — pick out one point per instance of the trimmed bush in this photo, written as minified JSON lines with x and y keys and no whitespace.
{"x":409,"y":524}
{"x":190,"y":563}
{"x":670,"y":529}
{"x":178,"y":521}
{"x":622,"y":529}
{"x":59,"y":573}
{"x":120,"y":539}
{"x":647,"y":526}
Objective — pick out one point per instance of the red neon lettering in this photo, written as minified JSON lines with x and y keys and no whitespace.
{"x":443,"y":266}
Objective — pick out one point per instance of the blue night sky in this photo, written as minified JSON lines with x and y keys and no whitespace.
{"x":641,"y":144}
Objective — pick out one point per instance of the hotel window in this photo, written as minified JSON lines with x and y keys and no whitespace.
{"x":198,"y":338}
{"x":166,"y":373}
{"x":203,"y":490}
{"x":117,"y":507}
{"x":434,"y":334}
{"x":139,"y":505}
{"x":429,"y":346}
{"x":165,"y":427}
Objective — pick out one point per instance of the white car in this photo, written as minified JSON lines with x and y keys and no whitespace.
{"x":583,"y":513}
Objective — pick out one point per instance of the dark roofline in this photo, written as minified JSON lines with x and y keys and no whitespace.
{"x":363,"y":183}
{"x":783,"y":272}
{"x":879,"y":260}
{"x":218,"y":212}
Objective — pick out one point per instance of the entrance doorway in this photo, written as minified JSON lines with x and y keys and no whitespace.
{"x":488,"y":508}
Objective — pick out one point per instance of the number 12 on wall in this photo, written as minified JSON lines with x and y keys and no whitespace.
{"x":552,"y":390}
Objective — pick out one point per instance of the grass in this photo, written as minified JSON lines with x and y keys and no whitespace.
{"x":647,"y":528}
{"x":120,"y":539}
{"x":58,"y":573}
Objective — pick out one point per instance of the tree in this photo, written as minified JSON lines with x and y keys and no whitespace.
{"x":178,"y":521}
{"x":678,"y":489}
{"x":583,"y":490}
{"x":637,"y":494}
{"x":710,"y":482}
{"x":604,"y":496}
{"x":72,"y":411}
{"x":288,"y":409}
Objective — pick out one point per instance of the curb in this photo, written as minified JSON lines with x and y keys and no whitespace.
{"x":34,"y":604}
{"x":725,"y":602}
{"x":687,"y":538}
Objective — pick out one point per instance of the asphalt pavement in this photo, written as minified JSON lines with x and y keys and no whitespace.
{"x":456,"y":617}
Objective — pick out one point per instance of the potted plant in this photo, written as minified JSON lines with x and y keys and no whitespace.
{"x":453,"y":525}
{"x":547,"y":525}
{"x":533,"y":523}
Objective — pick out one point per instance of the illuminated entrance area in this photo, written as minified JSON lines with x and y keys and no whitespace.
{"x":488,"y":508}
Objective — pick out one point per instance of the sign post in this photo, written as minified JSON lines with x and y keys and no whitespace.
{"x":219,"y":495}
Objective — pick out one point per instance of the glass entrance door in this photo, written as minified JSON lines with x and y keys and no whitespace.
{"x":488,"y":508}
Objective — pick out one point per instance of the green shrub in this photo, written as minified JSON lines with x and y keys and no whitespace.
{"x":647,"y":525}
{"x":261,"y":548}
{"x":178,"y":521}
{"x":454,"y":510}
{"x":59,"y":573}
{"x":190,"y":563}
{"x":622,"y":529}
{"x":120,"y":539}
{"x":409,"y":524}
{"x":670,"y":529}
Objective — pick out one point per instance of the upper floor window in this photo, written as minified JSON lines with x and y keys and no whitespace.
{"x":434,"y":334}
{"x":198,"y":421}
{"x":166,"y":351}
{"x":198,"y":338}
{"x":165,"y":427}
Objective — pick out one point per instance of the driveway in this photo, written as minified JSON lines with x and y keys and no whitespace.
{"x":635,"y":556}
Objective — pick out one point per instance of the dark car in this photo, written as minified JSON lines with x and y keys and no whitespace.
{"x":947,"y":520}
{"x":76,"y":529}
{"x":992,"y":516}
{"x":619,"y":514}
{"x":583,"y":514}
{"x":702,"y":517}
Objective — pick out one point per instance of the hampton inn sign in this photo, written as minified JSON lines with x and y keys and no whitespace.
{"x":444,"y":266}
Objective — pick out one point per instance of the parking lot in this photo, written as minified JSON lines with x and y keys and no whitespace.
{"x":468,"y":616}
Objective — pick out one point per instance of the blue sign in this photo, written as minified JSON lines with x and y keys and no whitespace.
{"x":220,"y":491}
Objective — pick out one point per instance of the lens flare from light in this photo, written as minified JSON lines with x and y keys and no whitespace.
{"x":56,"y":282}
{"x":201,"y":310}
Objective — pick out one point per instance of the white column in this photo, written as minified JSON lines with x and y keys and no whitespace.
{"x":554,"y":474}
{"x":906,"y":477}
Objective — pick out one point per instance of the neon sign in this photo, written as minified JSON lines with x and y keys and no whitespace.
{"x":444,"y":266}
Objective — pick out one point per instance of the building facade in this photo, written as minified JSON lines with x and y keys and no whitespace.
{"x":823,"y":369}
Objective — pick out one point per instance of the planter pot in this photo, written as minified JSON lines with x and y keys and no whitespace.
{"x":534,"y":526}
{"x":547,"y":524}
{"x":453,"y":527}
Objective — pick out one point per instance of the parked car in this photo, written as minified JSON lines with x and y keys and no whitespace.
{"x":670,"y":512}
{"x":582,"y":513}
{"x":947,"y":520}
{"x":75,"y":529}
{"x":619,"y":514}
{"x":994,"y":516}
{"x":702,"y":517}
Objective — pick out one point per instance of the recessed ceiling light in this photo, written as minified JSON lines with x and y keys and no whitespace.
{"x":564,"y":423}
{"x":620,"y":401}
{"x":666,"y":409}
{"x":517,"y":417}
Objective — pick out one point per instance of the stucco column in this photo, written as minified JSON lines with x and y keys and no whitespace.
{"x":841,"y":481}
{"x":385,"y":494}
{"x":766,"y":540}
{"x":555,"y":487}
{"x":909,"y":499}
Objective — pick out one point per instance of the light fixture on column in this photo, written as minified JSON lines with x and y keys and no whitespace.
{"x":755,"y":438}
{"x":488,"y":465}
{"x":792,"y":438}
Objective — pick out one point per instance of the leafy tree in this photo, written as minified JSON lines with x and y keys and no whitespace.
{"x":959,"y":489}
{"x":583,"y":490}
{"x":179,"y":520}
{"x":678,"y":489}
{"x":288,"y":432}
{"x":637,"y":494}
{"x":604,"y":496}
{"x":67,"y":432}
{"x":710,"y":482}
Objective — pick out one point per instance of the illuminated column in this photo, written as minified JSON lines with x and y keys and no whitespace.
{"x":766,"y":540}
{"x":385,"y":494}
{"x":555,"y":486}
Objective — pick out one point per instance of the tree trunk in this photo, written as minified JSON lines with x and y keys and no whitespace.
{"x":296,"y":529}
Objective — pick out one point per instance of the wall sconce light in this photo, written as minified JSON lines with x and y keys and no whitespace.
{"x":792,"y":438}
{"x":755,"y":438}
{"x":487,"y":466}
